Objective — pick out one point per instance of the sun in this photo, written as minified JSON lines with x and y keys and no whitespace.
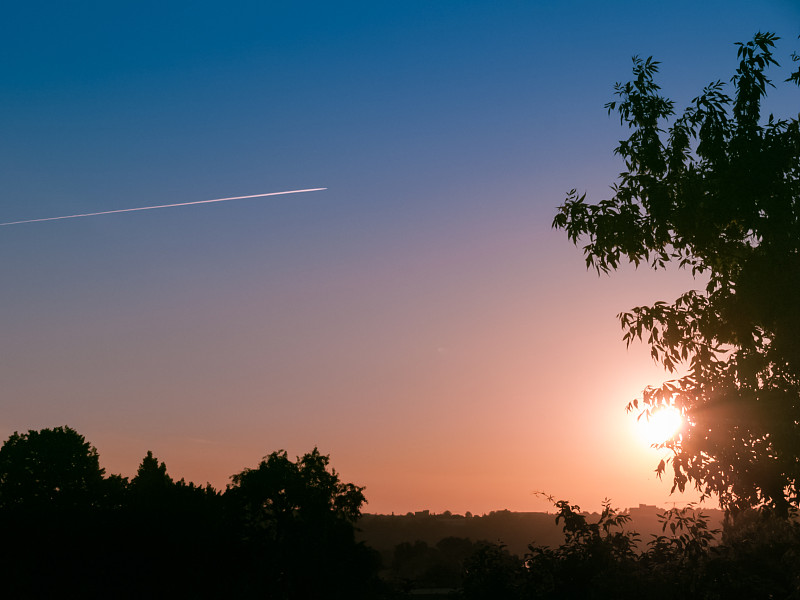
{"x":661,"y":425}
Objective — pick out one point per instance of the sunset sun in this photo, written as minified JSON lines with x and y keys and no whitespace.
{"x":661,"y":425}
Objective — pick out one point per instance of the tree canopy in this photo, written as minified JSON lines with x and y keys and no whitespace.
{"x":50,"y":469}
{"x":305,"y":489}
{"x":714,"y":189}
{"x":283,"y":530}
{"x":299,"y":518}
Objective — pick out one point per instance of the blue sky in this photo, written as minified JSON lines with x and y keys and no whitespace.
{"x":418,"y":320}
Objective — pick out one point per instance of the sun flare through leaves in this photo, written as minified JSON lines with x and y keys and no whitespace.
{"x":660,"y":426}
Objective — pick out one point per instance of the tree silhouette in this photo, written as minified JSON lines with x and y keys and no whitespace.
{"x":757,"y":557}
{"x":717,"y":192}
{"x":53,"y":500}
{"x":298,"y":519}
{"x":151,"y":474}
{"x":50,"y":469}
{"x":282,"y":530}
{"x":281,"y":494}
{"x":152,"y":488}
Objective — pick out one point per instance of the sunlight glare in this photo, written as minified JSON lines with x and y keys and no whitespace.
{"x":661,"y":426}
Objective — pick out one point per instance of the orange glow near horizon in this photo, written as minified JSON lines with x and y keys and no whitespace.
{"x":420,"y":322}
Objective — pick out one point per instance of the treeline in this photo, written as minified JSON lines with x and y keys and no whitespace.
{"x":516,"y":529}
{"x":755,"y":555}
{"x":284,"y":529}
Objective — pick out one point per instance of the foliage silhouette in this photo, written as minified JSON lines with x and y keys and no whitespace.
{"x":717,"y":192}
{"x":47,"y":470}
{"x":283,"y":530}
{"x":298,"y":520}
{"x":758,"y":557}
{"x":151,"y":477}
{"x":592,"y":555}
{"x":51,"y":490}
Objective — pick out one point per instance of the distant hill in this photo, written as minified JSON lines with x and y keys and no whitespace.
{"x":514,"y":529}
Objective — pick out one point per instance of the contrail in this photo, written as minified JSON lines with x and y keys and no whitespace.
{"x":122,"y":210}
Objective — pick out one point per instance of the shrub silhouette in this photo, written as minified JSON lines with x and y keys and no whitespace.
{"x":758,"y":556}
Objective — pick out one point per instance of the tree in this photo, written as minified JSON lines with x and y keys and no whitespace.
{"x":299,"y":521}
{"x":152,"y":487}
{"x":51,"y":492}
{"x":151,"y":474}
{"x":715,"y":190}
{"x":279,"y":493}
{"x":50,"y":469}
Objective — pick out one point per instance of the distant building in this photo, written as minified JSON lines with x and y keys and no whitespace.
{"x":645,"y":510}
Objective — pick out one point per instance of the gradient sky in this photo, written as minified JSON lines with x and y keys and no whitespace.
{"x":419,"y":320}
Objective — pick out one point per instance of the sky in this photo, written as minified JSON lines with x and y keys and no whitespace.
{"x":419,"y":320}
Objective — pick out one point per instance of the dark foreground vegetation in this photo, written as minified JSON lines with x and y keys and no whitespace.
{"x":758,"y":557}
{"x":286,"y":529}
